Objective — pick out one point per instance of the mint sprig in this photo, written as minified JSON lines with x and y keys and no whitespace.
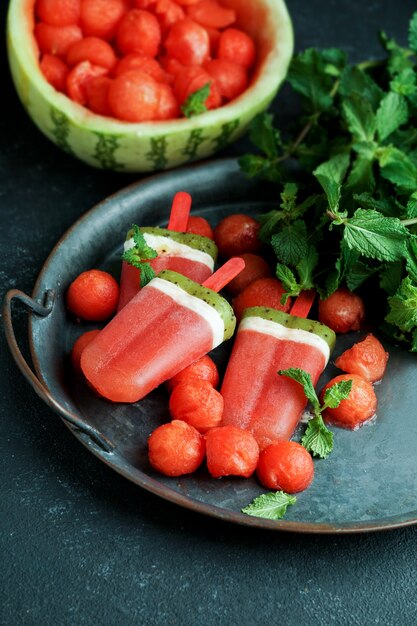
{"x":139,"y":256}
{"x":351,"y":218}
{"x":318,"y":439}
{"x":195,"y":104}
{"x":272,"y":505}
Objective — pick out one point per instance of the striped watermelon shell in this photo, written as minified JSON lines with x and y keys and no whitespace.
{"x":106,"y":143}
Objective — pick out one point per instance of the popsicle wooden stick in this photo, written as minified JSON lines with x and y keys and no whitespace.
{"x":303,"y":303}
{"x":225,"y":274}
{"x":180,"y":212}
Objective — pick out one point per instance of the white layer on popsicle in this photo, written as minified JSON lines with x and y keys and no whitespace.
{"x":209,"y":313}
{"x":167,"y":246}
{"x":268,"y":327}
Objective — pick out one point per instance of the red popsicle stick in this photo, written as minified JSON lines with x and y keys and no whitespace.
{"x":225,"y":274}
{"x":303,"y":303}
{"x":180,"y":211}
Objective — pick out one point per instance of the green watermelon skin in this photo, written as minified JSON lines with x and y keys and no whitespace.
{"x":109,"y":144}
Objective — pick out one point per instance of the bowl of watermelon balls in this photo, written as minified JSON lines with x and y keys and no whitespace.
{"x":145,"y":85}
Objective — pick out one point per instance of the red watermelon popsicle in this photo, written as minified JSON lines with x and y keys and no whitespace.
{"x":169,"y":324}
{"x":255,"y":397}
{"x":191,"y":255}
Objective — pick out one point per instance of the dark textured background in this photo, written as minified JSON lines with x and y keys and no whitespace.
{"x":81,"y":545}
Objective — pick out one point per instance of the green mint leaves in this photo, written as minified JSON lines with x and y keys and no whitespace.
{"x":375,"y":236}
{"x":318,"y":439}
{"x":139,"y":255}
{"x":346,"y":178}
{"x":403,"y":306}
{"x":330,"y":176}
{"x":271,"y":505}
{"x":195,"y":104}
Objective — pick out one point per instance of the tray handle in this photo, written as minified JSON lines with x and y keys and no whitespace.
{"x":44,"y":310}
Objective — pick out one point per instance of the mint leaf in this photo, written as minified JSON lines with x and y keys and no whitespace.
{"x":269,"y":222}
{"x":398,"y":168}
{"x":349,"y":268}
{"x":330,"y":176}
{"x":318,"y":439}
{"x":356,"y":81}
{"x":360,"y":117}
{"x":412,"y":206}
{"x":398,"y":59}
{"x":334,"y":61}
{"x":290,"y":244}
{"x":271,"y":505}
{"x":139,"y":255}
{"x":289,"y":197}
{"x":386,"y":205}
{"x":392,"y":113}
{"x":146,"y":274}
{"x":307,"y":76}
{"x":145,"y":251}
{"x":403,"y":306}
{"x":357,"y":273}
{"x":412,"y":33}
{"x":334,"y":395}
{"x":264,"y":135}
{"x":376,"y":236}
{"x":254,"y":165}
{"x":361,"y":177}
{"x":288,"y":280}
{"x":305,"y":268}
{"x":195,"y":104}
{"x":404,"y":83}
{"x":304,"y":379}
{"x":411,"y":261}
{"x":390,"y":277}
{"x":346,"y":259}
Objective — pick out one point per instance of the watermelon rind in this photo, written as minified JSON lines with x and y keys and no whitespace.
{"x":107,"y":143}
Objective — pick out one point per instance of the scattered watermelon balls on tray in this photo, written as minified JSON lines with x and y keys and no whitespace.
{"x":358,"y":408}
{"x":93,"y":295}
{"x":197,"y":403}
{"x":231,"y":451}
{"x":343,"y":311}
{"x":176,"y":448}
{"x":196,"y":432}
{"x":141,"y":60}
{"x":285,"y":465}
{"x":366,"y":358}
{"x":202,"y":369}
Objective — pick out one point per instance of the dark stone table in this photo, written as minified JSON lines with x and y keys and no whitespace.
{"x":81,"y":545}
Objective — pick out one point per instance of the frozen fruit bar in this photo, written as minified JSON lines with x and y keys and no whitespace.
{"x":167,"y":325}
{"x":256,"y":398}
{"x":191,"y":255}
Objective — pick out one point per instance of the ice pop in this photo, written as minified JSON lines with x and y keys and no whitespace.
{"x":255,"y":397}
{"x":166,"y":326}
{"x":188,"y":254}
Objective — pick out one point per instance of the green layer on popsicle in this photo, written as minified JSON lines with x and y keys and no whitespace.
{"x":204,"y":244}
{"x":209,"y":296}
{"x":291,"y":321}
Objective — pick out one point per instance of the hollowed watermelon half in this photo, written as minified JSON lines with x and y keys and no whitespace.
{"x":106,"y":143}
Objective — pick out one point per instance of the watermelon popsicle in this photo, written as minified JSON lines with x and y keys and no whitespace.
{"x":169,"y":324}
{"x":255,"y":397}
{"x":192,"y":255}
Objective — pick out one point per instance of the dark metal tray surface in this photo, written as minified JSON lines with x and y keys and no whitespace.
{"x":368,"y":483}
